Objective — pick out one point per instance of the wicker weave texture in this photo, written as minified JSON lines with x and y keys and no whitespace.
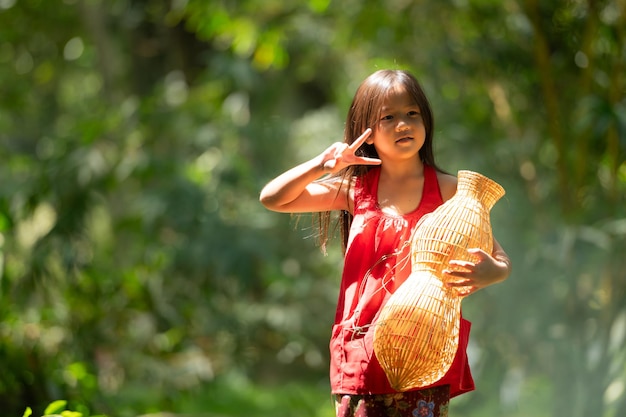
{"x":417,"y":332}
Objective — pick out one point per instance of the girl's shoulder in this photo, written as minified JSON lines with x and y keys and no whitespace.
{"x":447,"y":185}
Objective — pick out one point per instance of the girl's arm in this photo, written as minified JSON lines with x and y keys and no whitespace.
{"x":297,"y":190}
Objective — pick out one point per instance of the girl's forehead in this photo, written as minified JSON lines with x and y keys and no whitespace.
{"x":398,"y":96}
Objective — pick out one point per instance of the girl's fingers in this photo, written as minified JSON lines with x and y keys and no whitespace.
{"x":481,"y":254}
{"x":466,"y":291}
{"x":370,"y":161}
{"x":460,"y":283}
{"x":467,"y":265}
{"x":330,"y":164}
{"x":361,"y":139}
{"x":344,"y":154}
{"x":456,"y":274}
{"x":357,"y":143}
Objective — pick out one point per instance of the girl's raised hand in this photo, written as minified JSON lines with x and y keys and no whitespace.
{"x":340,"y":155}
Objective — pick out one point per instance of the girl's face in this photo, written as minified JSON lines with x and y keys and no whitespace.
{"x":399,"y":132}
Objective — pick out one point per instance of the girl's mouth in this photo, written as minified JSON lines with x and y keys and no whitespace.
{"x":404,"y":139}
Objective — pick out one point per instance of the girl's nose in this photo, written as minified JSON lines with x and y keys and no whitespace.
{"x":402,"y":125}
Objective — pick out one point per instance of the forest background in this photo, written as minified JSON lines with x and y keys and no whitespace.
{"x":139,"y":273}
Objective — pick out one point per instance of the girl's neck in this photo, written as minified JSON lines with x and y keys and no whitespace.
{"x":400,"y":171}
{"x":400,"y":188}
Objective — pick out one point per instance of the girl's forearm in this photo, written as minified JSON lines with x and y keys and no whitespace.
{"x":288,"y":186}
{"x":501,"y":256}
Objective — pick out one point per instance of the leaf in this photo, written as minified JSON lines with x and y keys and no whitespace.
{"x":27,"y":412}
{"x":67,"y":413}
{"x":55,"y":407}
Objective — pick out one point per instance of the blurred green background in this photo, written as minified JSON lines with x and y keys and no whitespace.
{"x":139,"y":273}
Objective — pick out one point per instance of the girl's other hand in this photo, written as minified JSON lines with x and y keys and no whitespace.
{"x":341,"y":155}
{"x":476,"y":275}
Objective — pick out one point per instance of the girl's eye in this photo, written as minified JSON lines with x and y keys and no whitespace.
{"x":414,"y":113}
{"x":387,"y":117}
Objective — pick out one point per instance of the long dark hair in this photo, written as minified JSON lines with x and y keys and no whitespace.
{"x":365,"y":112}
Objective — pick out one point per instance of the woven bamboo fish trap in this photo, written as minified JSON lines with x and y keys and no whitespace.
{"x":417,"y":333}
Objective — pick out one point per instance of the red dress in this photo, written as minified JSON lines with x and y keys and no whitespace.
{"x":371,"y":274}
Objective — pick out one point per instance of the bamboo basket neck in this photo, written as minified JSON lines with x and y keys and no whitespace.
{"x":485,"y":190}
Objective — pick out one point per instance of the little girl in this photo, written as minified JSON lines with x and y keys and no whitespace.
{"x":382,"y":179}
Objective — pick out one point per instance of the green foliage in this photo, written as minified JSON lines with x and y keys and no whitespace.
{"x":138,"y":273}
{"x":57,"y":408}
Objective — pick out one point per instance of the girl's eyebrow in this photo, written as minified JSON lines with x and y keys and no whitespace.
{"x":410,"y":106}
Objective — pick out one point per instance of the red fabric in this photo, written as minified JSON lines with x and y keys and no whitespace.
{"x":372,"y":272}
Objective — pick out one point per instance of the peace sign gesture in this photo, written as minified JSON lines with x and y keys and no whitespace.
{"x":340,"y":155}
{"x":297,"y":191}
